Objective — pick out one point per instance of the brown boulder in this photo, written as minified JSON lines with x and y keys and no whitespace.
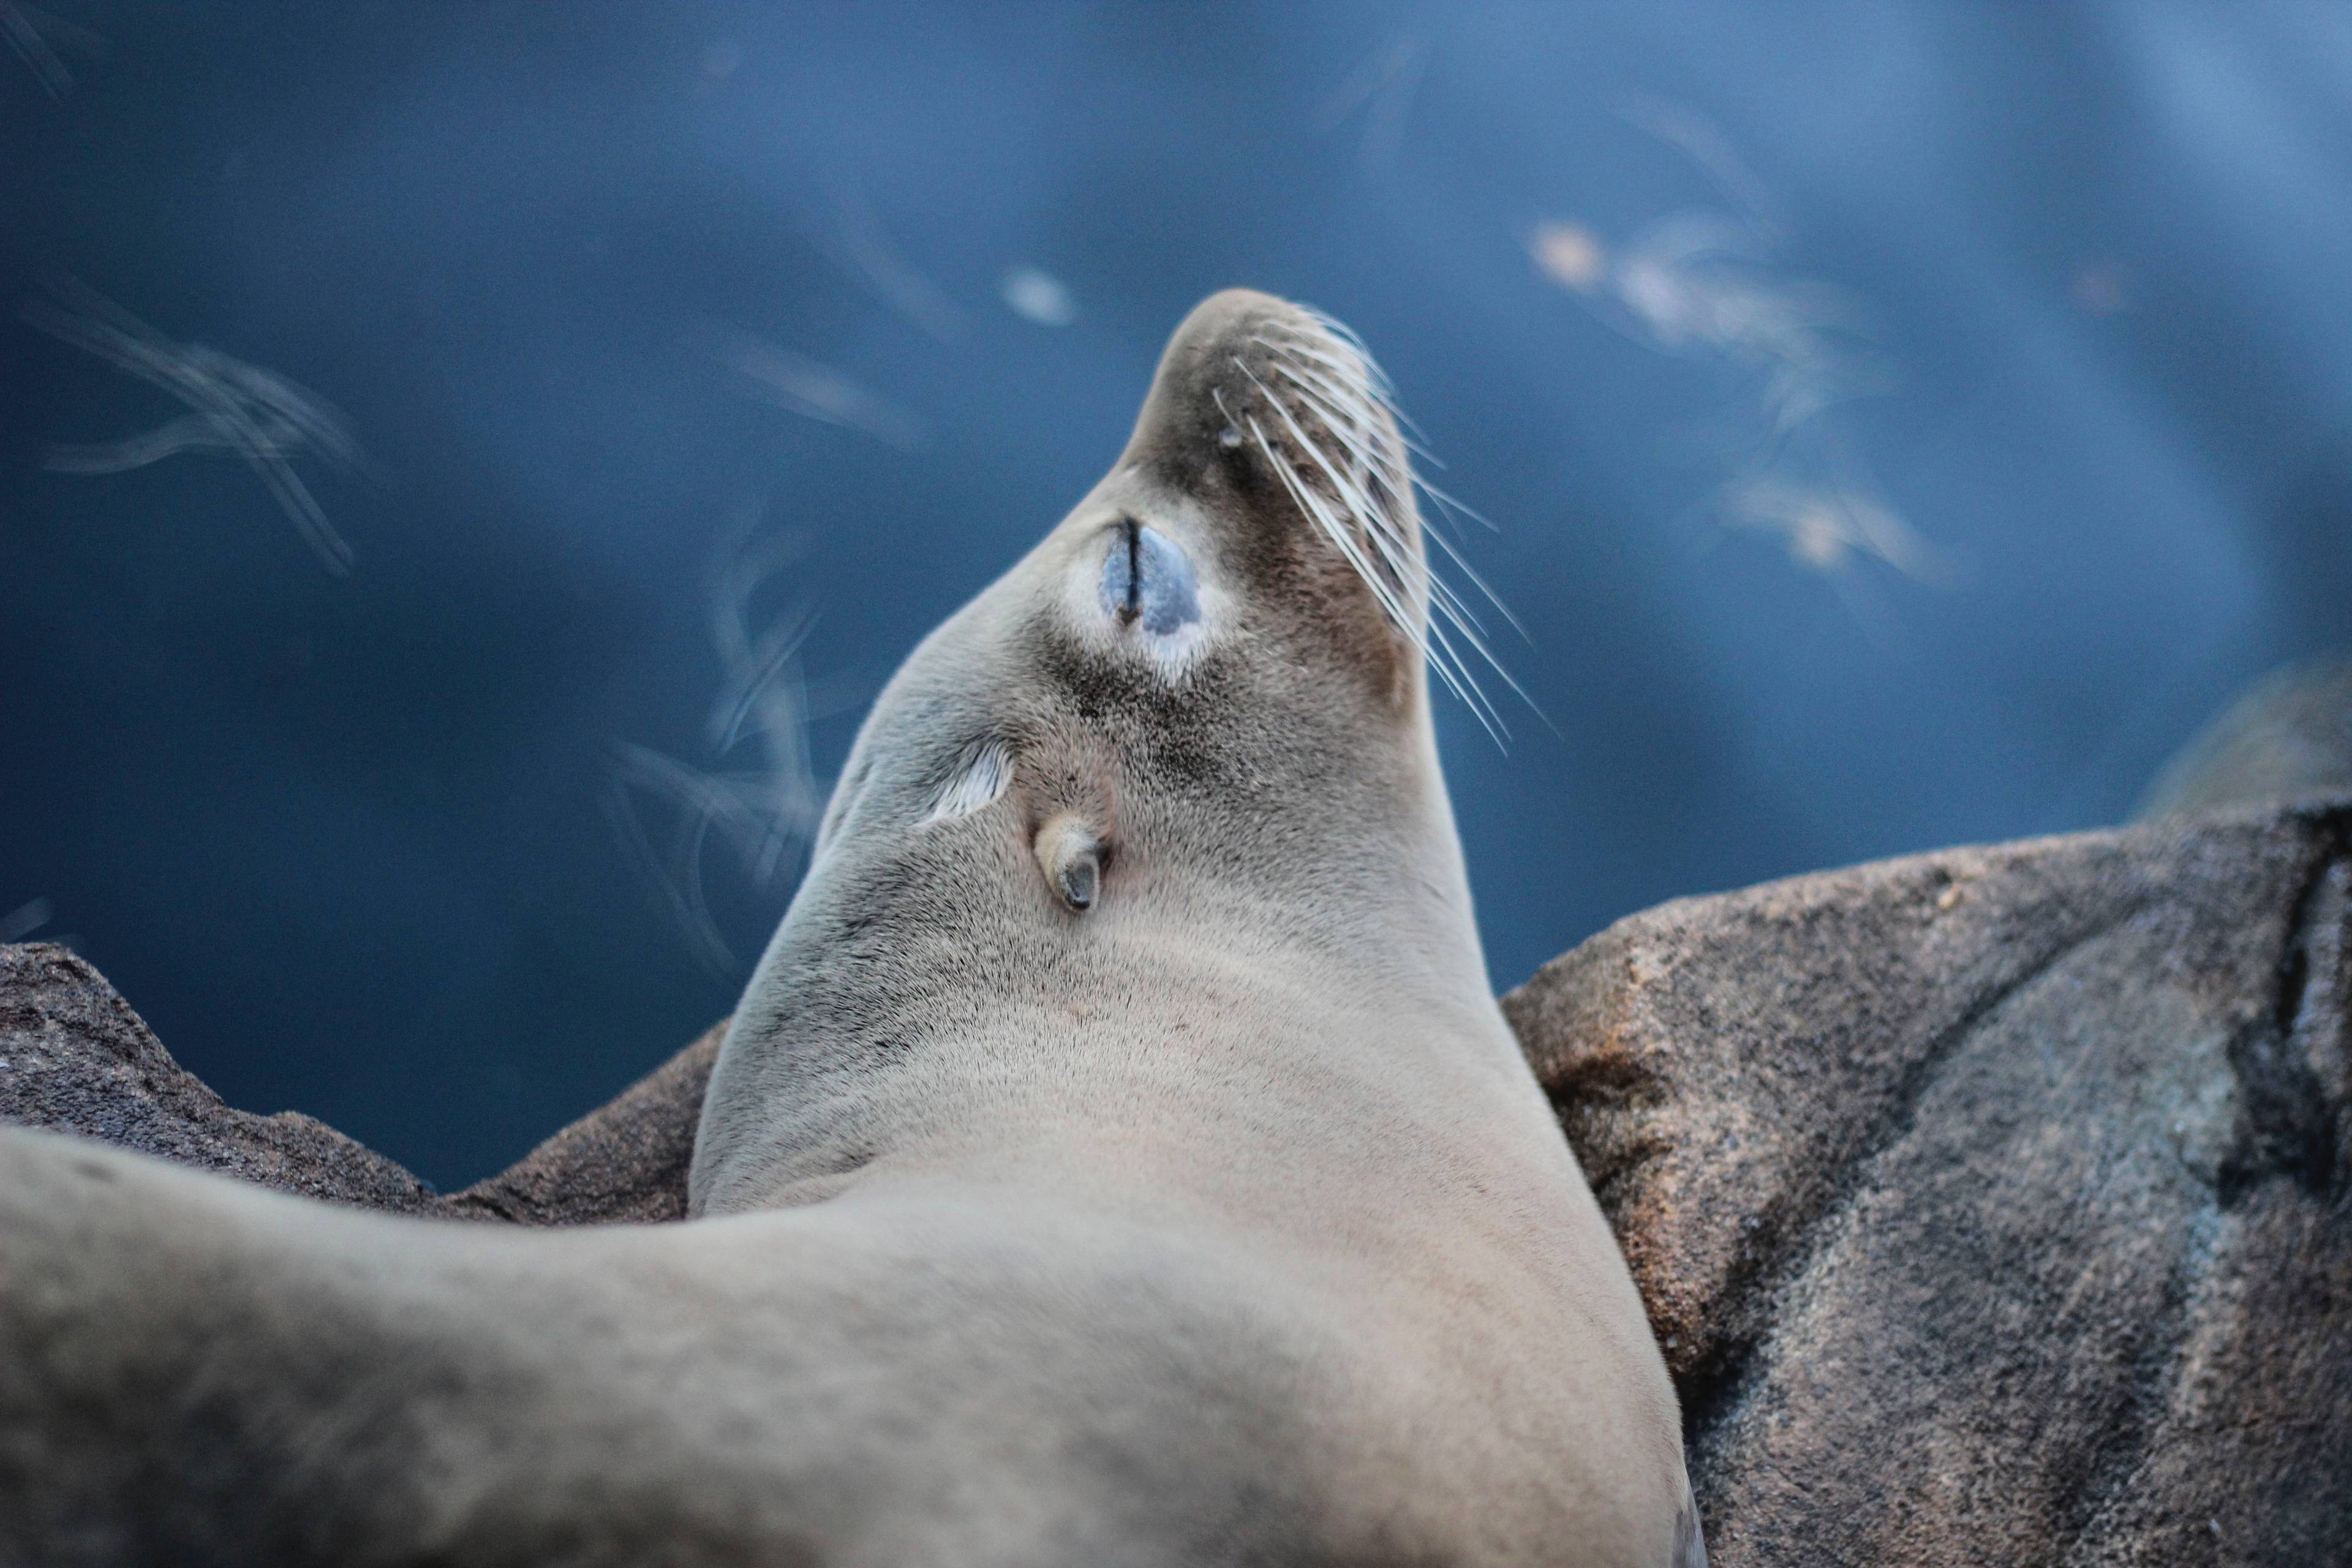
{"x":626,"y":1161}
{"x":74,"y":1058}
{"x":1991,"y":1204}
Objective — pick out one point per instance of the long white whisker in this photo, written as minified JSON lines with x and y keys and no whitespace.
{"x":1353,"y":474}
{"x":1318,"y":387}
{"x":1430,"y":637}
{"x":1445,"y":602}
{"x":1415,"y":439}
{"x":1376,"y":518}
{"x":1451,"y":508}
{"x":1339,"y":536}
{"x":1489,"y":718}
{"x":1337,"y":532}
{"x":1477,"y":581}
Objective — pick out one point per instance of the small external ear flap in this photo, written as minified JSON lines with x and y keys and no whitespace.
{"x":1071,"y":853}
{"x":982,"y":774}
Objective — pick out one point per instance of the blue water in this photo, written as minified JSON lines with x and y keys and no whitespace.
{"x":2047,"y":306}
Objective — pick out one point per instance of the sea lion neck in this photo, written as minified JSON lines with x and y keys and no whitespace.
{"x":938,"y":991}
{"x":1174,"y":768}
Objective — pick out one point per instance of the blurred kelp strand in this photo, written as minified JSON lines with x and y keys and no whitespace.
{"x":1383,"y":85}
{"x":1711,"y":285}
{"x":31,"y":922}
{"x":33,"y":36}
{"x":863,"y":249}
{"x":26,"y":919}
{"x":757,"y":801}
{"x":233,"y":407}
{"x":802,"y":387}
{"x":1826,"y":527}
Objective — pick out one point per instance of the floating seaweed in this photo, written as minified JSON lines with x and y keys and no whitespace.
{"x":1711,"y":284}
{"x":814,"y":391}
{"x":758,"y":801}
{"x":233,"y":407}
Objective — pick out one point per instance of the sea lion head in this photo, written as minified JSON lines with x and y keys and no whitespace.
{"x":1191,"y":727}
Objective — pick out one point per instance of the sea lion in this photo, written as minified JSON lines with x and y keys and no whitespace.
{"x":1118,"y":1156}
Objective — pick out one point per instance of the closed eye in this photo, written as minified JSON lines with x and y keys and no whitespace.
{"x":1147,"y":581}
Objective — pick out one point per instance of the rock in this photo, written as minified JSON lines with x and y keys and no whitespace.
{"x":79,"y":1059}
{"x":626,"y":1162}
{"x":1990,"y":1204}
{"x":74,"y":1058}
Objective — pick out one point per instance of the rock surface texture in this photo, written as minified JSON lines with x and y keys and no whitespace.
{"x":74,"y":1058}
{"x":1992,"y":1205}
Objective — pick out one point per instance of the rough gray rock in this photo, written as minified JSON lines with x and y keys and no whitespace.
{"x":626,"y":1161}
{"x":1991,"y":1204}
{"x":74,"y":1058}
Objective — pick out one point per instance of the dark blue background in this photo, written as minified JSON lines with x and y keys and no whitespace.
{"x":343,"y":841}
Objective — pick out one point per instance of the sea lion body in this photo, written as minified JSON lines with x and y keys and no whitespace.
{"x":1118,"y":1156}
